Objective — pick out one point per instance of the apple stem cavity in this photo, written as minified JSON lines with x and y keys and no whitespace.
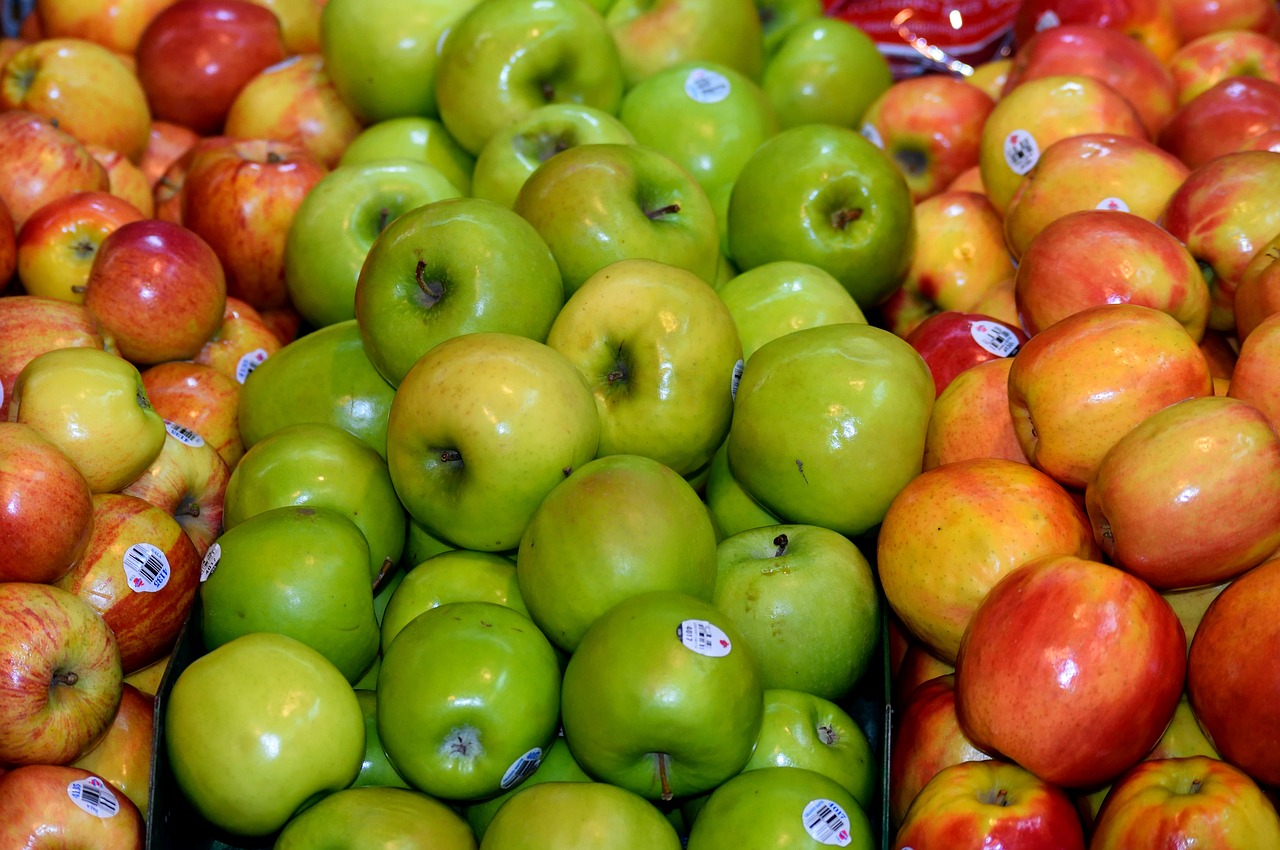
{"x":667,"y":793}
{"x":433,"y":289}
{"x":548,"y":92}
{"x":912,"y":162}
{"x":840,"y":219}
{"x":660,"y":212}
{"x":384,"y":218}
{"x":450,"y":456}
{"x":781,"y":542}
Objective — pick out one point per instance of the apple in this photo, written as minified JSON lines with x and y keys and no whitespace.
{"x":200,"y":399}
{"x":971,"y":419}
{"x":167,"y":193}
{"x":1240,"y":108}
{"x":61,"y":666}
{"x":1202,"y":62}
{"x":990,"y":76}
{"x":824,"y":195}
{"x":1150,"y":22}
{"x":732,"y":508}
{"x":1195,"y":18}
{"x":557,"y":766}
{"x":189,"y":480}
{"x":654,"y":36}
{"x":417,"y":138}
{"x":241,"y":344}
{"x":123,"y":756}
{"x":42,"y":163}
{"x":448,"y":268}
{"x":825,"y":71}
{"x":115,"y":24}
{"x":779,"y":17}
{"x":1254,"y":377}
{"x":376,"y":770}
{"x":40,"y":803}
{"x":397,"y":817}
{"x":951,"y":342}
{"x":58,"y":243}
{"x":245,"y":757}
{"x":125,"y":179}
{"x":1258,"y":294}
{"x":8,"y":245}
{"x":918,"y":666}
{"x":458,"y":575}
{"x":586,"y":815}
{"x":30,"y":326}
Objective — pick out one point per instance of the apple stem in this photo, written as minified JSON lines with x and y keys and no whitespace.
{"x":79,"y":289}
{"x":1002,"y":797}
{"x":548,"y":92}
{"x":384,"y":218}
{"x":387,"y":566}
{"x":669,"y":209}
{"x":840,"y":219}
{"x":781,"y":542}
{"x":433,"y":289}
{"x":65,"y":677}
{"x":667,"y":793}
{"x":191,"y":509}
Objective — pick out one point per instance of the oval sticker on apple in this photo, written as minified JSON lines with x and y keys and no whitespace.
{"x":704,"y":638}
{"x":995,"y":338}
{"x":146,"y":568}
{"x":209,"y":562}
{"x":706,"y":86}
{"x":183,"y":435}
{"x":1114,"y":204}
{"x":827,"y":823}
{"x":93,"y":797}
{"x":1021,"y":153}
{"x":249,"y":362}
{"x":522,"y":768}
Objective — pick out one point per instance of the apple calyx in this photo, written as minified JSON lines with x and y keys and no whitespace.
{"x":620,"y":372}
{"x":64,"y":677}
{"x":667,"y":793}
{"x":912,"y":162}
{"x":842,"y":218}
{"x":827,"y":734}
{"x":543,"y":145}
{"x":661,"y":212}
{"x":462,"y":742}
{"x":432,"y":289}
{"x":781,"y":542}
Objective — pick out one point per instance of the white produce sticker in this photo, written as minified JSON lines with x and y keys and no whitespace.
{"x":872,"y":135}
{"x":705,"y":86}
{"x":737,"y":378}
{"x":146,"y":568}
{"x":209,"y":562}
{"x":94,"y":797}
{"x":522,"y":768}
{"x":183,"y":435}
{"x":827,"y":823}
{"x":704,"y":638}
{"x":1113,"y":204}
{"x":995,"y":338}
{"x":249,"y":362}
{"x":1021,"y":153}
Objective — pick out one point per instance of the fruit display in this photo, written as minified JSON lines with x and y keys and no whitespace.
{"x":529,"y":424}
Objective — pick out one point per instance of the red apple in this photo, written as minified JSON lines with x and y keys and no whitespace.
{"x":242,"y":343}
{"x":167,"y":142}
{"x":188,"y":479}
{"x":123,"y":756}
{"x":285,"y":322}
{"x":1258,"y":295}
{"x":41,"y":163}
{"x":1197,"y":18}
{"x":951,"y":342}
{"x":969,"y":180}
{"x":125,"y":180}
{"x":1239,"y":109}
{"x":115,"y":24}
{"x":201,"y":399}
{"x":58,"y":243}
{"x":60,"y":806}
{"x":196,"y":55}
{"x":970,"y":418}
{"x":1256,"y":378}
{"x":1150,"y":22}
{"x":1200,"y":64}
{"x":1268,"y":141}
{"x":140,"y":572}
{"x":917,"y":666}
{"x":8,"y":246}
{"x":168,"y":189}
{"x":30,"y":326}
{"x":1062,"y":645}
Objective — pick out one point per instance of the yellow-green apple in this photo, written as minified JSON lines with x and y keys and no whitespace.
{"x":1092,"y":257}
{"x":1185,"y":801}
{"x":969,"y":180}
{"x":991,"y":803}
{"x":58,"y":243}
{"x":1092,"y":171}
{"x":1181,"y":467}
{"x":989,"y":76}
{"x":779,"y":17}
{"x":1039,"y":112}
{"x":917,"y":666}
{"x":774,"y":299}
{"x":115,"y":24}
{"x":825,"y":71}
{"x":964,"y":256}
{"x":824,"y":195}
{"x":660,"y":352}
{"x":46,"y":508}
{"x":376,"y":769}
{"x":417,"y":138}
{"x":616,"y":527}
{"x":1196,"y":18}
{"x":926,"y":738}
{"x":452,"y":267}
{"x":200,"y":399}
{"x":159,"y":289}
{"x":1232,"y":687}
{"x":241,"y":344}
{"x":1183,"y":737}
{"x":1079,"y":385}
{"x":1205,"y":61}
{"x":395,"y":816}
{"x":481,"y":429}
{"x":458,"y":575}
{"x":148,"y":679}
{"x":62,"y":674}
{"x":140,"y":571}
{"x":167,"y":142}
{"x":299,"y":23}
{"x":970,"y":418}
{"x":42,"y":163}
{"x":953,"y":532}
{"x":41,"y":803}
{"x":951,"y":342}
{"x":447,"y":695}
{"x":92,"y":405}
{"x":247,"y":759}
{"x":1150,"y":22}
{"x":597,"y":204}
{"x":1258,"y":295}
{"x":241,"y":198}
{"x":1190,"y":605}
{"x":585,"y":815}
{"x":123,"y":756}
{"x":557,"y":765}
{"x":30,"y":326}
{"x":504,"y":58}
{"x":193,"y":57}
{"x":1064,"y":643}
{"x":294,"y":101}
{"x":732,"y":508}
{"x":125,"y":179}
{"x":931,"y":127}
{"x":1239,"y":108}
{"x":1254,"y":378}
{"x":803,"y":598}
{"x":189,"y":480}
{"x":857,"y":401}
{"x":663,"y":697}
{"x":653,"y":35}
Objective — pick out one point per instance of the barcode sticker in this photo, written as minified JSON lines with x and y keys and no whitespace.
{"x":522,"y":768}
{"x":209,"y":562}
{"x":94,"y":797}
{"x":146,"y":568}
{"x":249,"y":362}
{"x":995,"y":338}
{"x":704,"y":638}
{"x":183,"y":435}
{"x":872,"y":135}
{"x":705,"y":86}
{"x":827,"y":823}
{"x":737,"y":379}
{"x":1113,"y":204}
{"x":1021,"y":153}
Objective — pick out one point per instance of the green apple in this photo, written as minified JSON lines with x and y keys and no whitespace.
{"x":515,"y":151}
{"x":829,"y":424}
{"x":805,"y":600}
{"x":92,"y":405}
{"x":449,"y":268}
{"x":826,"y":196}
{"x":825,"y":71}
{"x":732,"y":508}
{"x":297,"y":571}
{"x":707,"y":118}
{"x":655,"y":34}
{"x":386,"y":589}
{"x":359,"y":818}
{"x":338,"y":221}
{"x":597,"y":204}
{"x":468,"y":700}
{"x":557,"y":765}
{"x":505,"y":58}
{"x":323,"y":377}
{"x":382,"y":55}
{"x":660,"y":353}
{"x":617,"y":527}
{"x":376,"y":771}
{"x":581,"y":815}
{"x":416,"y":138}
{"x":662,"y":697}
{"x":458,"y":575}
{"x":794,"y":808}
{"x":481,"y":429}
{"x":257,"y":728}
{"x":779,"y":17}
{"x":780,"y":297}
{"x":807,"y":731}
{"x":321,"y":466}
{"x":420,"y":544}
